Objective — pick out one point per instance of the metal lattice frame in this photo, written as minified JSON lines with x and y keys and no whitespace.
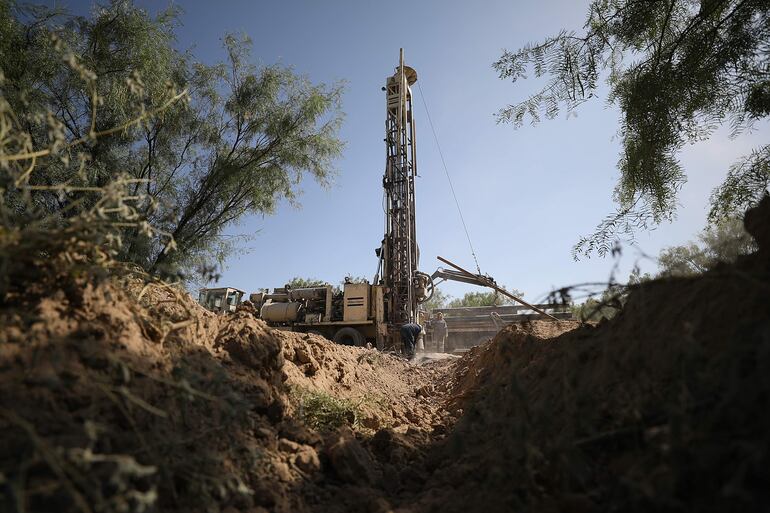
{"x":400,"y":245}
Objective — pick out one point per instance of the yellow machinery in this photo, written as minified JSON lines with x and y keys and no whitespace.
{"x":362,"y":313}
{"x":373,"y":313}
{"x":352,"y":316}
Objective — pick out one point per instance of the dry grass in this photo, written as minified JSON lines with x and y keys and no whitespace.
{"x":324,"y":412}
{"x":59,"y":252}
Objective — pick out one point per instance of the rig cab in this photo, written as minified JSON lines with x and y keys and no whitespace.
{"x":220,"y":300}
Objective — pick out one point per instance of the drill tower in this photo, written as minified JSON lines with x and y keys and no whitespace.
{"x":400,"y":259}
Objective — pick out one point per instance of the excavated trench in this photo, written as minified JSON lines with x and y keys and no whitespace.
{"x":127,"y":397}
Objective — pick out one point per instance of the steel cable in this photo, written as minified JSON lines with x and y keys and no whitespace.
{"x":449,"y":179}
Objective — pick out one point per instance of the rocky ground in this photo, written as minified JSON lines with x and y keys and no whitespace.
{"x":126,"y":396}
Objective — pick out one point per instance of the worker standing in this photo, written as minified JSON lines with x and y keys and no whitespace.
{"x":410,"y":333}
{"x":440,"y":331}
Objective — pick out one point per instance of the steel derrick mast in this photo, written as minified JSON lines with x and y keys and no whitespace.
{"x":401,"y":256}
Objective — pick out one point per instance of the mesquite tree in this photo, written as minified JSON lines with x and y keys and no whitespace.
{"x":677,"y":69}
{"x":240,"y":143}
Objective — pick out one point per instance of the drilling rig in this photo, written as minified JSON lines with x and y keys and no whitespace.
{"x":362,"y":313}
{"x":406,"y":287}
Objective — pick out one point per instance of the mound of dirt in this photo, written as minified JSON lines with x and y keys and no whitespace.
{"x":481,"y":365}
{"x":664,"y":408}
{"x":130,"y":397}
{"x":388,"y":392}
{"x":108,"y":405}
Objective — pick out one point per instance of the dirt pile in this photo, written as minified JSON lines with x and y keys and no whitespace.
{"x":130,"y":397}
{"x":387,"y":392}
{"x":664,"y":408}
{"x":481,"y":365}
{"x":108,"y":405}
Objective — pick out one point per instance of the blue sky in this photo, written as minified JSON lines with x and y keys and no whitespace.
{"x":527,"y":195}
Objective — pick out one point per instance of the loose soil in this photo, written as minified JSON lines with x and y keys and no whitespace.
{"x":127,"y":396}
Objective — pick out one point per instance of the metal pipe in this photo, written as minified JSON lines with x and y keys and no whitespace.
{"x":486,"y":282}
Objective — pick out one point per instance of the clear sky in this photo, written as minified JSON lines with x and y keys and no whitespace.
{"x":527,"y":195}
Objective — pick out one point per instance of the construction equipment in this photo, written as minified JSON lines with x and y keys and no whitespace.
{"x":461,"y":275}
{"x":351,"y":316}
{"x":364,"y":313}
{"x":221,"y":300}
{"x":405,"y":286}
{"x":361,"y":312}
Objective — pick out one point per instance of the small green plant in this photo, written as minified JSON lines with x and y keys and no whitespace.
{"x":324,"y":412}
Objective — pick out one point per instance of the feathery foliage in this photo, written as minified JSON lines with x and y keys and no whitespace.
{"x":242,"y":142}
{"x":60,"y":221}
{"x":677,"y":69}
{"x":722,"y":242}
{"x":491,"y":298}
{"x":439,"y":299}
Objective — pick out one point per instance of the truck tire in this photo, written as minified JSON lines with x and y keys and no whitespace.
{"x":349,"y":337}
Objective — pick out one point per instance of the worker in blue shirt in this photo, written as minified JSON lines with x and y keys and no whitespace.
{"x":410,"y":333}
